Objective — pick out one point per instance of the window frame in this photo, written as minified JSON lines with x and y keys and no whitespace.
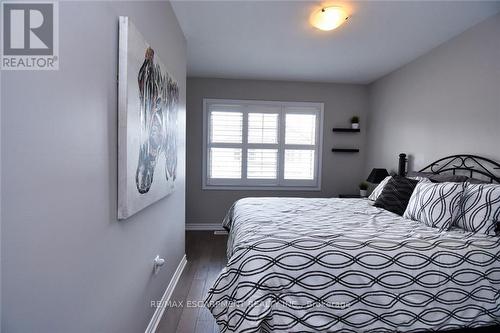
{"x":243,"y":183}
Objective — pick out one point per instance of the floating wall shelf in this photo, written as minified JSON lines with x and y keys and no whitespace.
{"x":345,"y":150}
{"x":346,"y":130}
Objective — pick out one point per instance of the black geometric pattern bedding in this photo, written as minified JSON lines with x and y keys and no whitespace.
{"x":324,"y":265}
{"x":479,"y":208}
{"x":435,"y":205}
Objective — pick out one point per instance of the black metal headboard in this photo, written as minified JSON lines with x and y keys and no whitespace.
{"x":471,"y":164}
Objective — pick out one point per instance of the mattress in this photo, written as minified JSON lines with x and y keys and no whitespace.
{"x":321,"y":265}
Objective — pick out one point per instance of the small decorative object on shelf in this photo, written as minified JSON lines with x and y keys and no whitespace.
{"x":345,"y":150}
{"x":363,"y":188}
{"x":355,"y":122}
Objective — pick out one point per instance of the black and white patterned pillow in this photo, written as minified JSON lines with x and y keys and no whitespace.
{"x":479,"y":209}
{"x":435,"y":205}
{"x":396,"y":194}
{"x":380,"y":187}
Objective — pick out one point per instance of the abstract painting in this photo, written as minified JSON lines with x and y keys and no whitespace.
{"x":148,"y":98}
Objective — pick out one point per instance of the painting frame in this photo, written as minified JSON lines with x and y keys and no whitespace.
{"x":148,"y":103}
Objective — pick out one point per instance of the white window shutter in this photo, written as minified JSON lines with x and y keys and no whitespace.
{"x":262,"y":145}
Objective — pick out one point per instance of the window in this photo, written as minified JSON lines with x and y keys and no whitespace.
{"x":262,"y":145}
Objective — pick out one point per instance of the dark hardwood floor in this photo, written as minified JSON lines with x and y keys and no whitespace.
{"x":206,"y":255}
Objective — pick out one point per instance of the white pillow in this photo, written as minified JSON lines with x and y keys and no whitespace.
{"x":435,"y":205}
{"x":479,"y":209}
{"x":378,"y":190}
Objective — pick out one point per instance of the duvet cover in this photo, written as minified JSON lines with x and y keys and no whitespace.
{"x":342,"y":265}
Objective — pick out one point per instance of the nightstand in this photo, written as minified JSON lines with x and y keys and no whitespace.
{"x":351,"y":196}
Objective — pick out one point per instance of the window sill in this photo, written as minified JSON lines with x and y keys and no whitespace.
{"x":259,"y":188}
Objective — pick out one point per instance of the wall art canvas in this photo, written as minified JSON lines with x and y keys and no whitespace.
{"x":148,"y":99}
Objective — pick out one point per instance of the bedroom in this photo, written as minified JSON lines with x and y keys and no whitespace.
{"x":255,"y":103}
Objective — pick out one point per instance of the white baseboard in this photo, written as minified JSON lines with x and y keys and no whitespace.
{"x":204,"y":226}
{"x":155,"y":320}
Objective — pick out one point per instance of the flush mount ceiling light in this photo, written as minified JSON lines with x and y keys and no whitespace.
{"x":328,"y":18}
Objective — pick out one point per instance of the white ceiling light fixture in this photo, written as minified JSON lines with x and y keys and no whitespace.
{"x":328,"y":18}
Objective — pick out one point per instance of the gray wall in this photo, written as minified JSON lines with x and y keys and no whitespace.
{"x":341,"y":173}
{"x":1,"y":199}
{"x":68,"y":265}
{"x":445,"y":102}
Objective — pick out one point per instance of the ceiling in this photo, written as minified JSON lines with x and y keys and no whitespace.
{"x":273,"y":39}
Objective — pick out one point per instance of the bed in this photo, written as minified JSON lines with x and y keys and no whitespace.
{"x":343,"y":265}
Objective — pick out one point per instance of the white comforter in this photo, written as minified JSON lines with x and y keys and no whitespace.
{"x":321,"y":265}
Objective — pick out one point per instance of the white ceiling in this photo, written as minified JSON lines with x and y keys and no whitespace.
{"x":273,"y":39}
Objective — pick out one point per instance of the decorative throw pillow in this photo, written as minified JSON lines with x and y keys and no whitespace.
{"x":396,"y":194}
{"x":435,"y":205}
{"x":479,"y":209}
{"x":376,"y":192}
{"x":437,"y":178}
{"x":477,"y":181}
{"x":444,"y":178}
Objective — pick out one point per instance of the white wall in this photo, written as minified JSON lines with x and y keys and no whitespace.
{"x":341,"y":172}
{"x":68,"y":265}
{"x":445,"y":102}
